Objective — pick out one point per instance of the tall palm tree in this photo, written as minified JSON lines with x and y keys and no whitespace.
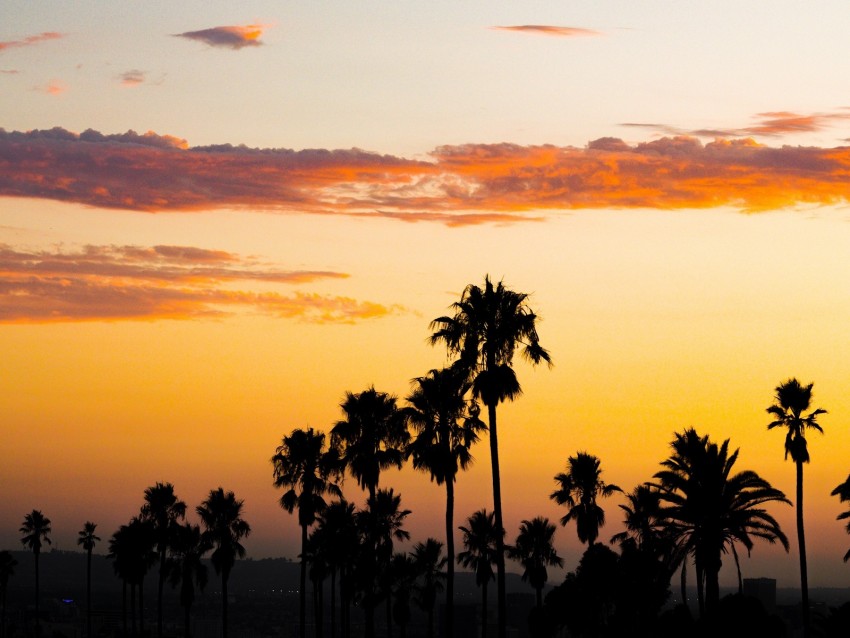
{"x":87,"y":539}
{"x":446,"y":427}
{"x":708,"y":509}
{"x":303,"y":467}
{"x":480,"y":541}
{"x":381,"y":524}
{"x":163,"y":509}
{"x":535,"y":550}
{"x":224,"y":527}
{"x":36,"y":530}
{"x":7,"y":570}
{"x":487,"y":327}
{"x":186,"y":568}
{"x":792,"y":399}
{"x":580,"y":487}
{"x":429,"y":562}
{"x":371,"y":438}
{"x":341,"y":540}
{"x":314,"y":554}
{"x":132,"y":550}
{"x":843,"y":494}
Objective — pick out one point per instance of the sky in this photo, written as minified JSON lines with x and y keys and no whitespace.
{"x":216,"y":219}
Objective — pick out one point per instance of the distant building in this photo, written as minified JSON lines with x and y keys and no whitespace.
{"x":764,"y":589}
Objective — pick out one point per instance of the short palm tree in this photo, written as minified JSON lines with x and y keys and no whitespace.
{"x":303,"y":467}
{"x":36,"y":530}
{"x":403,"y":572}
{"x":87,"y":539}
{"x":371,"y":438}
{"x":224,"y":527}
{"x":488,"y":325}
{"x":708,"y":509}
{"x":579,"y":489}
{"x":339,"y":534}
{"x":843,"y":494}
{"x":185,"y":565}
{"x":429,"y":563}
{"x":446,"y":426}
{"x":7,"y":570}
{"x":792,"y":399}
{"x":163,"y":509}
{"x":131,"y":549}
{"x":535,"y":550}
{"x":479,"y":539}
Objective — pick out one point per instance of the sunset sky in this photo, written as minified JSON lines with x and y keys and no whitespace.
{"x":217,"y":218}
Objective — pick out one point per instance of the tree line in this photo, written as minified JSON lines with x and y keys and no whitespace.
{"x":695,"y":509}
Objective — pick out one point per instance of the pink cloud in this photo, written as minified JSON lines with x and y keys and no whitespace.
{"x":542,"y":29}
{"x":54,"y":87}
{"x":230,"y":37}
{"x":159,"y":282}
{"x":30,"y":40}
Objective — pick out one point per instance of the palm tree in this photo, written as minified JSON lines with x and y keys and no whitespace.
{"x":302,"y":466}
{"x":224,"y":527}
{"x":7,"y":570}
{"x":163,"y":509}
{"x":371,"y":438}
{"x":446,"y":427}
{"x":708,"y":509}
{"x":314,"y":554}
{"x":87,"y":539}
{"x":340,"y":539}
{"x":429,"y":562}
{"x":36,"y":530}
{"x":132,"y":550}
{"x":381,"y":523}
{"x":487,"y":327}
{"x":186,"y":567}
{"x":792,"y":399}
{"x":580,"y":487}
{"x":843,"y":494}
{"x":534,"y":549}
{"x":480,"y":541}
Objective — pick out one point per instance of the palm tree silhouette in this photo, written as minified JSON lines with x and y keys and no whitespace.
{"x":224,"y":527}
{"x":534,"y":549}
{"x":381,"y":523}
{"x":843,"y":494}
{"x":480,"y":541}
{"x":446,"y":427}
{"x":87,"y":539}
{"x":314,"y":553}
{"x":340,"y":539}
{"x":792,"y":399}
{"x":163,"y":509}
{"x":708,"y":509}
{"x":487,"y":327}
{"x":132,"y":550}
{"x":580,"y":487}
{"x":36,"y":530}
{"x":403,"y":572}
{"x":7,"y":570}
{"x":371,"y":438}
{"x":185,"y":565}
{"x":429,"y":563}
{"x":303,"y":467}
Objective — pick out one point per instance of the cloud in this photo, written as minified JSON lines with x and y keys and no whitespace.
{"x":460,"y":185}
{"x":769,"y":124}
{"x":231,"y":37}
{"x":29,"y":40}
{"x":54,"y":87}
{"x":9,"y":71}
{"x":542,"y":29}
{"x":131,"y":78}
{"x":159,"y":282}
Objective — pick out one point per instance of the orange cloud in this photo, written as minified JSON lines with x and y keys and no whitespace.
{"x":29,"y":40}
{"x":461,"y":185}
{"x":54,"y":87}
{"x":131,"y":78}
{"x":230,"y":37}
{"x":542,"y":29}
{"x":159,"y":282}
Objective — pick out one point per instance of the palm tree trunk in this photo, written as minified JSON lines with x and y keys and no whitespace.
{"x":684,"y":582}
{"x":187,"y":620}
{"x":302,"y":608}
{"x":318,"y":586}
{"x":142,"y":605}
{"x":501,"y":604}
{"x":159,"y":593}
{"x":133,"y":607}
{"x":801,"y":541}
{"x":389,"y":595}
{"x":450,"y":551}
{"x":124,"y":607}
{"x":484,"y":610}
{"x":700,"y":569}
{"x":738,"y":568}
{"x":333,"y":603}
{"x":37,"y":596}
{"x":224,"y":604}
{"x":88,"y":594}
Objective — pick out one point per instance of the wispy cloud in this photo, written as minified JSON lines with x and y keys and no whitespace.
{"x":544,"y":29}
{"x":460,"y":185}
{"x":9,"y":71}
{"x":30,"y":40}
{"x":132,"y":78}
{"x":159,"y":282}
{"x":54,"y":87}
{"x":769,"y":124}
{"x":229,"y":37}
